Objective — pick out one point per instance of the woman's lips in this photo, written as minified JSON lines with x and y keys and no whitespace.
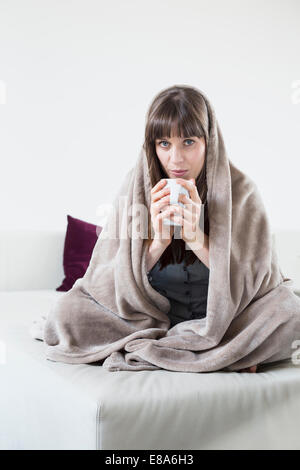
{"x":178,"y":173}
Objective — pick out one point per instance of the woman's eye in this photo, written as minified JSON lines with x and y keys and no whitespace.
{"x":162,"y":142}
{"x":167,"y":142}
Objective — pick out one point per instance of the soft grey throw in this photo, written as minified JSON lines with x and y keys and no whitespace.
{"x":114,"y":315}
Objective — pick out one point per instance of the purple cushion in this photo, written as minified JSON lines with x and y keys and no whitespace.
{"x":80,"y":240}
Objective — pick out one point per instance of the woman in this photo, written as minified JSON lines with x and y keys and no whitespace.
{"x":249,"y":315}
{"x":175,"y":140}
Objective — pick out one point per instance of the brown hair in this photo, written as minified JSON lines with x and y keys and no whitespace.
{"x":181,"y":109}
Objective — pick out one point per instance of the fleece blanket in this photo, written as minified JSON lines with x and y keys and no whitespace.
{"x":113,"y":316}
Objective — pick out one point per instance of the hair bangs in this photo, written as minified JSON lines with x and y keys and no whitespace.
{"x":175,"y":122}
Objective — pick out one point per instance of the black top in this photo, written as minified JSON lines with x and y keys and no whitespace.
{"x":186,"y":288}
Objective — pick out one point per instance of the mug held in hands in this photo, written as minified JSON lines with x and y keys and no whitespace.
{"x":175,"y":190}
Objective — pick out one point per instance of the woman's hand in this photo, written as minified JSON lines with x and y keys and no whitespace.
{"x":160,"y":197}
{"x":189,"y":216}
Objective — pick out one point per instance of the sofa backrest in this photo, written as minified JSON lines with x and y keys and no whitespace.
{"x":287,"y":244}
{"x":33,"y":259}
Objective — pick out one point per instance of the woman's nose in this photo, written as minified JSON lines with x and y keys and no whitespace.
{"x":175,"y":156}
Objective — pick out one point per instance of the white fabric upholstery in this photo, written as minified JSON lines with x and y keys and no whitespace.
{"x":31,"y":259}
{"x":52,"y":405}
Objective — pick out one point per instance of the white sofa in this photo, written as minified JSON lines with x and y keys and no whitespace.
{"x":52,"y":405}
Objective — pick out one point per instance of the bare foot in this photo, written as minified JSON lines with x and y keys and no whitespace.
{"x":248,"y":369}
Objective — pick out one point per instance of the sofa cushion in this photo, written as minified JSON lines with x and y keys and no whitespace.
{"x":80,"y":240}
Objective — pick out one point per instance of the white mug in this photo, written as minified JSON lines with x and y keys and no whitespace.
{"x":175,"y":190}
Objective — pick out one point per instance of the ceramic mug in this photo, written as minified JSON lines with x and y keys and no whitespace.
{"x":175,"y":190}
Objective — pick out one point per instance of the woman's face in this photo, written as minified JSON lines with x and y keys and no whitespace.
{"x":176,"y":153}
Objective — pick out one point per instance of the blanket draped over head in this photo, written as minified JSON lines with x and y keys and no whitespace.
{"x":113,"y":314}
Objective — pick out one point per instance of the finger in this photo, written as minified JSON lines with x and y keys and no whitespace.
{"x":160,"y":204}
{"x":161,"y":183}
{"x":184,"y":212}
{"x":189,"y":231}
{"x":191,"y":187}
{"x":188,"y":227}
{"x":185,"y":199}
{"x":158,"y":195}
{"x":177,"y":219}
{"x":166,"y":212}
{"x":185,"y":183}
{"x":191,"y":212}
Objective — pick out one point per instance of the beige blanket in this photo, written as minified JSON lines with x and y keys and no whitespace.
{"x":113,"y":314}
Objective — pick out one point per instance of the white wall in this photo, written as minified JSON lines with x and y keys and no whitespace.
{"x":78,"y":76}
